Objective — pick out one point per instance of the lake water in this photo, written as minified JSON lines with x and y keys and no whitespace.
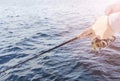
{"x":30,"y":26}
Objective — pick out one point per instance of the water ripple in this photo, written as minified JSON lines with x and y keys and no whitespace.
{"x":26,"y":30}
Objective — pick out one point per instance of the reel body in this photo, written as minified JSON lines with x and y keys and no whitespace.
{"x":98,"y":44}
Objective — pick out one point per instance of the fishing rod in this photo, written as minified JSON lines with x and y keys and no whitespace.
{"x":86,"y":33}
{"x":40,"y":53}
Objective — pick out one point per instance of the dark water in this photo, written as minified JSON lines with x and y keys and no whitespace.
{"x":28,"y":27}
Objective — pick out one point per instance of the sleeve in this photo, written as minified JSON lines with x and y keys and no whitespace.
{"x":114,"y":21}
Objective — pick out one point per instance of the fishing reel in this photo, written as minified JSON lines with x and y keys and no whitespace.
{"x":97,"y":43}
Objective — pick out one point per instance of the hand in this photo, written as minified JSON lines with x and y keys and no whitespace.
{"x":99,"y":29}
{"x":112,"y":9}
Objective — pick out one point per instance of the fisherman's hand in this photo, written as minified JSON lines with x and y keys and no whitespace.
{"x":99,"y":29}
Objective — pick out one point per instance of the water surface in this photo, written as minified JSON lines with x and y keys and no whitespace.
{"x":28,"y":27}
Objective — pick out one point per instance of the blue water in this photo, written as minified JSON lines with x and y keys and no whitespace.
{"x":28,"y":27}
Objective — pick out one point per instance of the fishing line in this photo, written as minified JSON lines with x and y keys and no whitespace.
{"x":40,"y":53}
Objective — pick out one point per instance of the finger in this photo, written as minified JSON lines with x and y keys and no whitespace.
{"x":87,"y":33}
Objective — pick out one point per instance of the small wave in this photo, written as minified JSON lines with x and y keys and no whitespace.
{"x":38,"y":35}
{"x":6,"y":58}
{"x":11,"y":49}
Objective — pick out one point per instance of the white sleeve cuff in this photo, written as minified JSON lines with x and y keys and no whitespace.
{"x":114,"y":21}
